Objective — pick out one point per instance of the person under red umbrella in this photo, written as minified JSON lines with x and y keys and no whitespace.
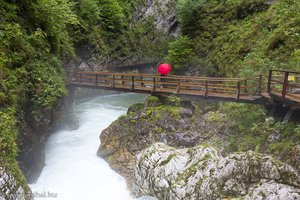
{"x":163,"y":69}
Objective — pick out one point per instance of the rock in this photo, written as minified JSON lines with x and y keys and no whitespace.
{"x":295,"y":91}
{"x":152,"y":101}
{"x":144,"y":124}
{"x":186,"y":112}
{"x":202,"y":173}
{"x":186,"y":139}
{"x":10,"y":190}
{"x":135,"y":108}
{"x":164,"y":13}
{"x":270,"y":190}
{"x":188,"y":105}
{"x":157,"y":121}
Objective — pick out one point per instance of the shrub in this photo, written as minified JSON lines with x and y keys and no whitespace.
{"x":181,"y":53}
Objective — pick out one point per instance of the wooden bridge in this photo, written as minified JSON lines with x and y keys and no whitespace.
{"x":279,"y":87}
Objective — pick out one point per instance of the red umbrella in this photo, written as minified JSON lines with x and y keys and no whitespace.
{"x":164,"y":69}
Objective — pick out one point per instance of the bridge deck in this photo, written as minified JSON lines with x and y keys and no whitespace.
{"x":247,"y":90}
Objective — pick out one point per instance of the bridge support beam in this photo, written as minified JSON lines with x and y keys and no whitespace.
{"x":272,"y":113}
{"x":288,"y":116}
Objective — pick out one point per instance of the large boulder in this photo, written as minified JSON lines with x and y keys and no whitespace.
{"x":201,"y":172}
{"x":167,"y":120}
{"x":144,"y":124}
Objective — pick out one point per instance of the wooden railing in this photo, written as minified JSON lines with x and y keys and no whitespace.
{"x":285,"y":84}
{"x":230,"y":88}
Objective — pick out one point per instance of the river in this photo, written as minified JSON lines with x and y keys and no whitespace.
{"x":73,"y":171}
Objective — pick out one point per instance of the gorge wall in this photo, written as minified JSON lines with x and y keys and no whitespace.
{"x":36,"y":126}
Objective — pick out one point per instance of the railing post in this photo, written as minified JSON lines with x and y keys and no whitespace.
{"x":285,"y":84}
{"x":206,"y":89}
{"x":76,"y":75}
{"x":80,"y":79}
{"x":68,"y":74}
{"x":114,"y":81}
{"x":122,"y":79}
{"x":142,"y":83}
{"x":132,"y":83}
{"x":260,"y":84}
{"x":154,"y":82}
{"x":238,"y":92}
{"x":178,"y":87}
{"x":245,"y":89}
{"x":269,"y":81}
{"x":96,"y":80}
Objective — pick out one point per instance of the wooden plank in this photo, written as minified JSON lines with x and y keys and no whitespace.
{"x":285,"y":84}
{"x":277,"y":81}
{"x":269,"y":81}
{"x":293,"y":96}
{"x":132,"y":85}
{"x":114,"y":81}
{"x":260,"y":84}
{"x":238,"y":90}
{"x":178,"y":87}
{"x":206,"y":89}
{"x":154,"y":84}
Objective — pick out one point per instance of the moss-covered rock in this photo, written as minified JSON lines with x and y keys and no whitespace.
{"x":154,"y":121}
{"x":185,"y":124}
{"x":201,"y":172}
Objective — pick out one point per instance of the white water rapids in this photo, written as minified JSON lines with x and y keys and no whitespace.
{"x":73,"y":171}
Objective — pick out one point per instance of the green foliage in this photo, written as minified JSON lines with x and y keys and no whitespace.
{"x":8,"y":134}
{"x":181,"y":53}
{"x":54,"y":16}
{"x":107,"y":27}
{"x":214,"y":117}
{"x":189,"y":12}
{"x":252,"y":114}
{"x":242,"y":37}
{"x":112,"y":15}
{"x":34,"y":42}
{"x":264,"y":135}
{"x":8,"y":146}
{"x":88,"y":13}
{"x":48,"y":82}
{"x":173,"y":100}
{"x":270,"y":41}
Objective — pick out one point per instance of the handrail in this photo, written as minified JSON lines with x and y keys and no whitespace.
{"x":158,"y":76}
{"x":284,"y":88}
{"x":235,"y":89}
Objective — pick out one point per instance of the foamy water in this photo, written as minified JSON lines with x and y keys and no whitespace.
{"x":73,"y":171}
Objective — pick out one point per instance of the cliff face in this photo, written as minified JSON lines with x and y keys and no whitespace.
{"x":35,"y":127}
{"x":163,"y":12}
